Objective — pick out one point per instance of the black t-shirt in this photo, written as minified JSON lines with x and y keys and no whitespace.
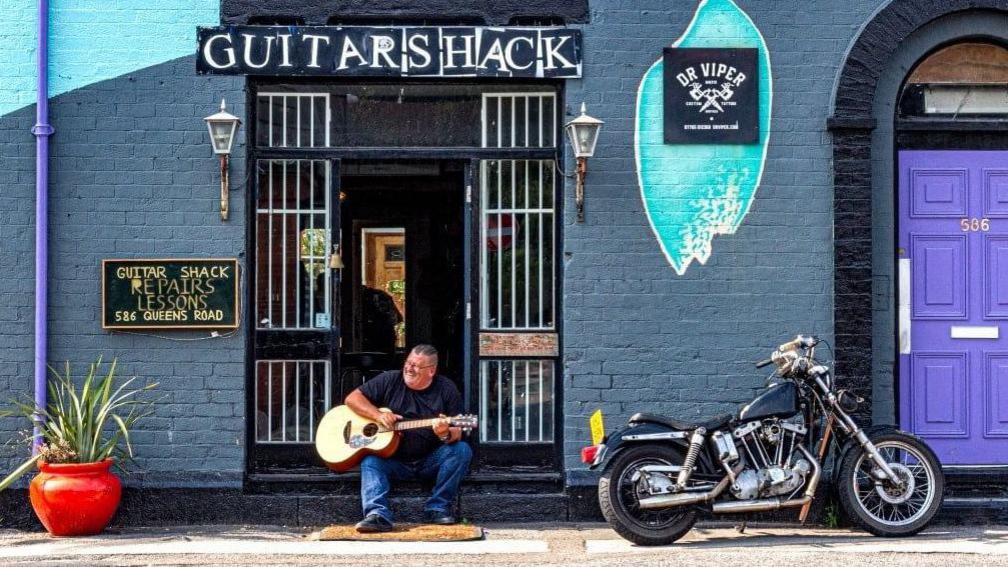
{"x":388,"y":390}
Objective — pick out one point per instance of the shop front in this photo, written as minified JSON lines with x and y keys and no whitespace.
{"x":404,"y":191}
{"x":401,"y":175}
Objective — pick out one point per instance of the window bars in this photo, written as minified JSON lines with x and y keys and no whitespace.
{"x":516,"y":401}
{"x":517,"y":265}
{"x":291,"y":396}
{"x":292,"y":237}
{"x":293,"y":120}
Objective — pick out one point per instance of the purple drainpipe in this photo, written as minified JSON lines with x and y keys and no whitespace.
{"x":42,"y":131}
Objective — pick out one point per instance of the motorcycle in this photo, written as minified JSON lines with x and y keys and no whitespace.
{"x":658,"y":472}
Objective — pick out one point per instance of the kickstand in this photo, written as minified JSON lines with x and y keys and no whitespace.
{"x":741,"y":527}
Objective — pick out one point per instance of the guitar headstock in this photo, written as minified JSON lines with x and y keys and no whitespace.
{"x":466,"y":422}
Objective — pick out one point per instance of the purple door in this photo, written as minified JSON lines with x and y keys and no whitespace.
{"x":953,"y":295}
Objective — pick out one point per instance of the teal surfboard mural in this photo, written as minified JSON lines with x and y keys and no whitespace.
{"x":693,"y":193}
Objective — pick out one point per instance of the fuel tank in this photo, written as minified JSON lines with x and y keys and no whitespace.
{"x":779,"y":400}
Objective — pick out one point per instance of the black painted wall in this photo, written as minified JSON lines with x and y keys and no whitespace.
{"x":321,"y":12}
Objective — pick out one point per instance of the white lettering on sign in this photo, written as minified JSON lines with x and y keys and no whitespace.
{"x":456,"y":51}
{"x":314,"y":39}
{"x":228,"y":51}
{"x":711,"y":71}
{"x":416,"y":49}
{"x":249,"y":43}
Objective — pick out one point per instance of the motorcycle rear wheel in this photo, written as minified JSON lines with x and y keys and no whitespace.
{"x":886,"y":510}
{"x":619,"y":501}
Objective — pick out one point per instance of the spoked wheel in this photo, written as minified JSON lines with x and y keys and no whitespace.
{"x":619,"y":499}
{"x":885,"y":508}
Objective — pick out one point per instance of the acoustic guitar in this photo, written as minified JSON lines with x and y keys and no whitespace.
{"x":344,"y":438}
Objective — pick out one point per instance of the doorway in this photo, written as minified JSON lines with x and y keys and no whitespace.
{"x":403,"y":254}
{"x":953,"y":262}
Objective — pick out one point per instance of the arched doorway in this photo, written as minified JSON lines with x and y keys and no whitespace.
{"x":874,"y":121}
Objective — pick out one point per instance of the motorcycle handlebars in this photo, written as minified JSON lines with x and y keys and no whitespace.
{"x":799,"y":341}
{"x":786,"y":355}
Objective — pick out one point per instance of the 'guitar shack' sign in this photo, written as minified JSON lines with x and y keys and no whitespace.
{"x":711,"y":95}
{"x":355,"y":51}
{"x":173,"y":293}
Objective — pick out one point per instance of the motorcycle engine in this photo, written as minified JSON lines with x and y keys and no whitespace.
{"x":773,"y":467}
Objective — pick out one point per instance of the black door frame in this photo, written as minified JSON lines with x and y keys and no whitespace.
{"x":549,"y":456}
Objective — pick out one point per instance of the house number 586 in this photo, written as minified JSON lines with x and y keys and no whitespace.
{"x":974,"y":225}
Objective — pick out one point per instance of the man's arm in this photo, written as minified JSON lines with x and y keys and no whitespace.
{"x":363,"y":407}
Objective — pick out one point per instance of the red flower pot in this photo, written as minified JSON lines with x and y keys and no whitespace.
{"x":75,"y":499}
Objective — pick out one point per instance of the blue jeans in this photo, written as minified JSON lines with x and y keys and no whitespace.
{"x":446,"y":466}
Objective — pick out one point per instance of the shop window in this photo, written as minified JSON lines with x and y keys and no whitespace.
{"x":517,"y":269}
{"x":517,"y":284}
{"x":516,"y":398}
{"x":291,"y":396}
{"x":410,"y":115}
{"x":519,"y":120}
{"x":292,"y":241}
{"x":964,"y":79}
{"x":292,"y":120}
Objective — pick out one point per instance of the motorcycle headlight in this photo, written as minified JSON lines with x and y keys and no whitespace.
{"x":848,"y":402}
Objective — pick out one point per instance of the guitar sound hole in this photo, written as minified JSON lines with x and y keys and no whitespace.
{"x":346,"y":432}
{"x":370,"y":430}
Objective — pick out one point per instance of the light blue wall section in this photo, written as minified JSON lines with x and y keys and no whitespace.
{"x":94,"y":40}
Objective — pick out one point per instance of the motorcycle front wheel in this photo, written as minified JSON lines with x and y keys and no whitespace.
{"x":619,"y":499}
{"x":882,"y":507}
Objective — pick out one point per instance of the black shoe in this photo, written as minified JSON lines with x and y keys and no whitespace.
{"x":439,"y":518}
{"x":374,"y":523}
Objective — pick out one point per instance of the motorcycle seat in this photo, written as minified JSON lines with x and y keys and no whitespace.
{"x":709,"y":424}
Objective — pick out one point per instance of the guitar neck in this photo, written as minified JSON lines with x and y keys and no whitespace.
{"x":415,"y":424}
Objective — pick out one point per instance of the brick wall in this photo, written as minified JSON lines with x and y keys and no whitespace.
{"x":132,"y":175}
{"x":636,"y":336}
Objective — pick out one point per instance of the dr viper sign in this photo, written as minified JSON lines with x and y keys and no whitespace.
{"x":174,"y":293}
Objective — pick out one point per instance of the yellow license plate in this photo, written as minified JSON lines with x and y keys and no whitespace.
{"x":597,"y":427}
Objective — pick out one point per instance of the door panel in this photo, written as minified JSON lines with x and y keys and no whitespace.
{"x":995,"y":273}
{"x":939,"y":276}
{"x":953,"y":227}
{"x":295,"y":354}
{"x":995,"y":193}
{"x":940,"y":380}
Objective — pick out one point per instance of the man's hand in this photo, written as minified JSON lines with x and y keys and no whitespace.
{"x":441,"y":426}
{"x":388,"y":419}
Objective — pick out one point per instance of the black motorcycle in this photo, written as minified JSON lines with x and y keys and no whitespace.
{"x":659,"y":471}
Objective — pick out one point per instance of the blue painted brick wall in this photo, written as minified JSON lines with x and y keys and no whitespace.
{"x":638,"y":337}
{"x":132,"y":176}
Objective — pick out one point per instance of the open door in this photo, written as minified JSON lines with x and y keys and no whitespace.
{"x":296,"y":306}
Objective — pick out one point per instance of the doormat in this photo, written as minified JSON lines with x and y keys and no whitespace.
{"x":403,"y":532}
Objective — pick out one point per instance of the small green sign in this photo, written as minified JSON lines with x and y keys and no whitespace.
{"x":170,"y":293}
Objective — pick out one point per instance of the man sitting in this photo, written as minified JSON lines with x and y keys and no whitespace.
{"x":416,"y":392}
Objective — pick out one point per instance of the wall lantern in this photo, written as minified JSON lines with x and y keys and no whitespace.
{"x":582,"y":133}
{"x":222,"y":127}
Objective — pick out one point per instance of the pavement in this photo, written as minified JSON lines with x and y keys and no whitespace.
{"x":525,"y":544}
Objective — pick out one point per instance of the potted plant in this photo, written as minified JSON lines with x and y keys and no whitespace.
{"x":83,"y":433}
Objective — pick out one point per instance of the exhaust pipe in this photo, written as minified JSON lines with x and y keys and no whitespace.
{"x":670,"y":500}
{"x":757,"y":505}
{"x":774,"y":503}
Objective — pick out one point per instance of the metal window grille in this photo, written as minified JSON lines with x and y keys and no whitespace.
{"x":292,"y":240}
{"x":293,"y":120}
{"x":291,"y":398}
{"x":517,"y":284}
{"x":519,"y":120}
{"x":516,"y":401}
